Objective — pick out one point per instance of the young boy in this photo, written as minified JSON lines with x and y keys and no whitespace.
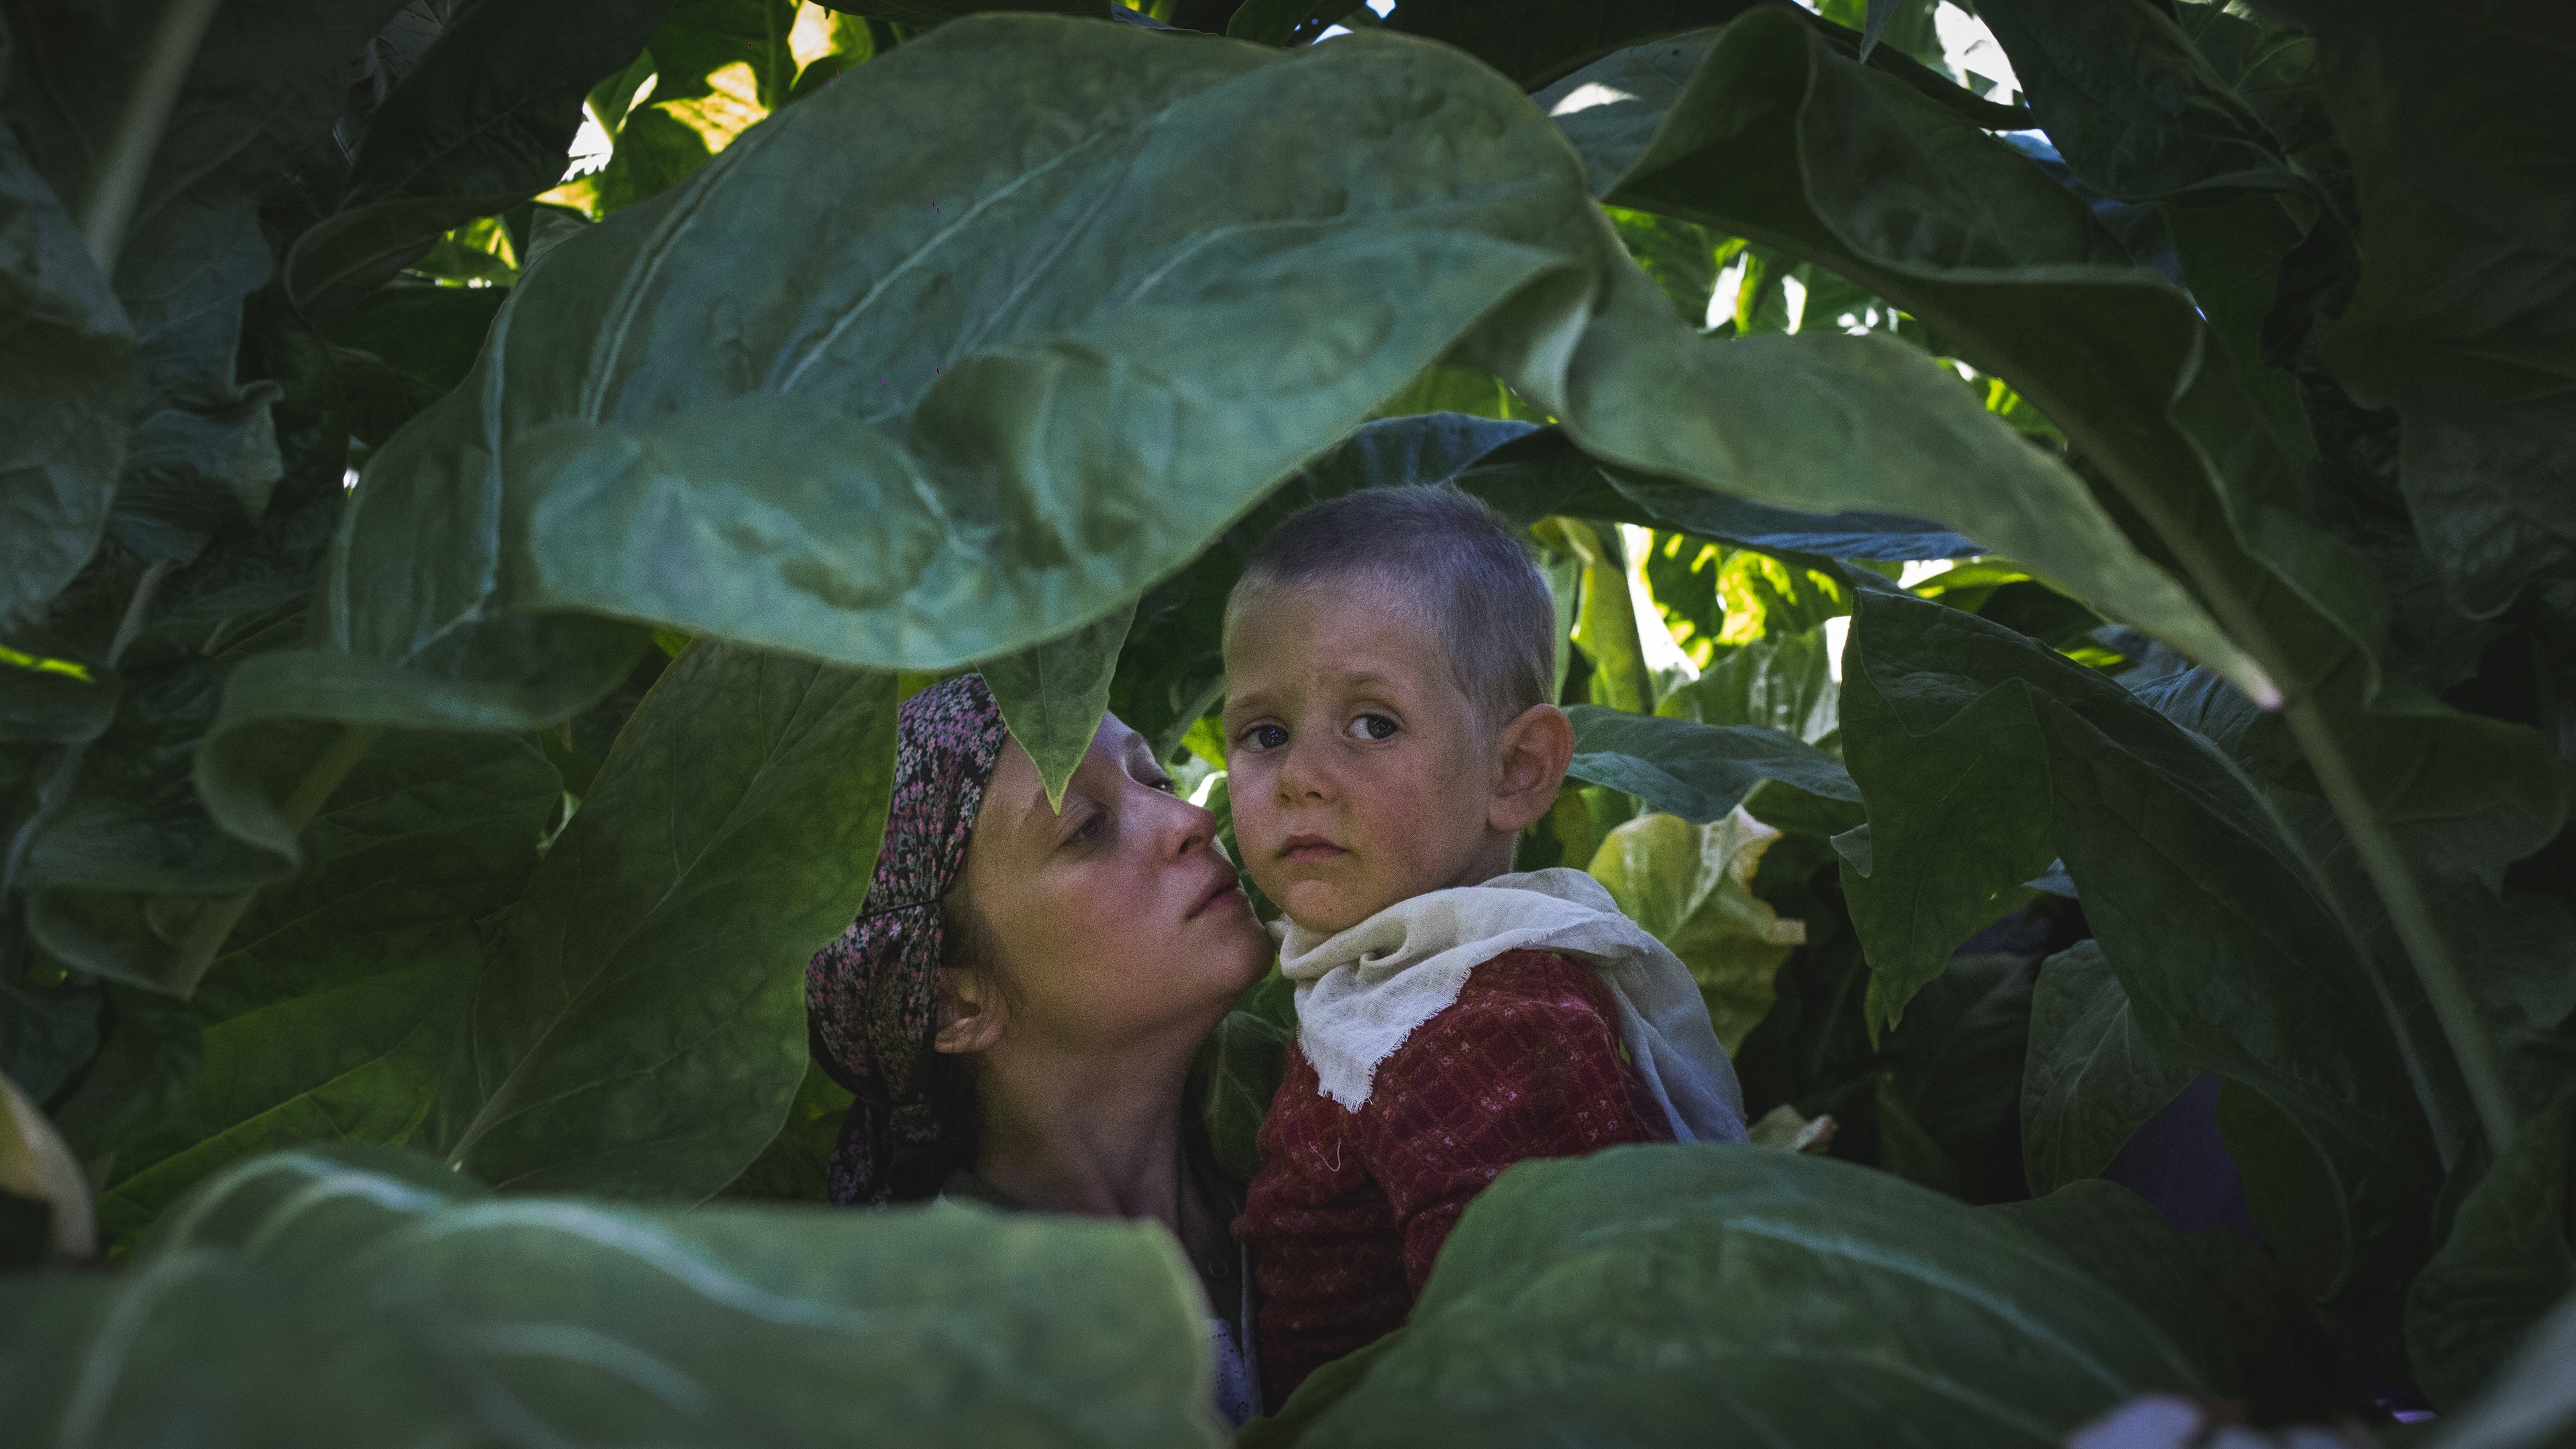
{"x":1390,"y":663}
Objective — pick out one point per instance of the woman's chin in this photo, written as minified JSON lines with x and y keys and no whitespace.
{"x":1250,"y":952}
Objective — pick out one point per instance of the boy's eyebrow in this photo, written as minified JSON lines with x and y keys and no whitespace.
{"x":1253,"y":698}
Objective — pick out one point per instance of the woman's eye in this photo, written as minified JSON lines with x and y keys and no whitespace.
{"x":1084,"y":829}
{"x":1373,"y":727}
{"x":1265,"y":737}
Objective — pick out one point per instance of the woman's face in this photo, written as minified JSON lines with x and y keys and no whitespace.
{"x":1115,"y":921}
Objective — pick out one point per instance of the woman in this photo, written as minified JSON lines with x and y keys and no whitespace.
{"x":1017,"y":1004}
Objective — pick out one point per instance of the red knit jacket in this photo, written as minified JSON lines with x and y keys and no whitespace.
{"x":1351,"y":1207}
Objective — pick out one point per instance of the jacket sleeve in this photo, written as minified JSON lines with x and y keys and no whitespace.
{"x":1325,"y":1252}
{"x":1524,"y":1066}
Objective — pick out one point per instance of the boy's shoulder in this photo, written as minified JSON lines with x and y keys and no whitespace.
{"x":1527,"y":983}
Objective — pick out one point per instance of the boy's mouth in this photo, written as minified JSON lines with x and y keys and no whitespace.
{"x":1306,"y":848}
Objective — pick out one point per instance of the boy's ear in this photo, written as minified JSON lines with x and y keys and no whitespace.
{"x":970,"y":1012}
{"x":1533,"y":751}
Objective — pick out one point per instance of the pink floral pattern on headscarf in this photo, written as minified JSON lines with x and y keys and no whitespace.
{"x":870,"y":996}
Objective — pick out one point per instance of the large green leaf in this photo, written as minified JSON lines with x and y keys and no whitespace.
{"x":1982,"y":754}
{"x":1696,"y":771}
{"x":332,"y":1014}
{"x":2130,"y":103}
{"x":2212,"y":1293}
{"x":914,"y":423}
{"x":2507,"y":1260}
{"x":2531,"y":1404}
{"x":1955,"y":1069}
{"x":2468,"y":280}
{"x":1769,"y":417}
{"x":2091,"y":1080}
{"x":1534,"y":42}
{"x":1856,"y":533}
{"x":1758,"y":131}
{"x":312,"y":1299}
{"x":67,"y":376}
{"x":403,"y":347}
{"x":1684,"y":1295}
{"x":1080,"y":436}
{"x":1053,"y":695}
{"x":2119,"y":1238}
{"x":642,"y":1028}
{"x":796,"y":1166}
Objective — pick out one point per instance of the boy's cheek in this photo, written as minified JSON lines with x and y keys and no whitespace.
{"x":1263,"y":867}
{"x":1256,"y":830}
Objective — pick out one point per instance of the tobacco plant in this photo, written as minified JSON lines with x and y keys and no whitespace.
{"x":2069,"y":599}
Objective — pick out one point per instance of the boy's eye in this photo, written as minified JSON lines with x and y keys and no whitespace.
{"x":1265,"y":737}
{"x":1373,"y":727}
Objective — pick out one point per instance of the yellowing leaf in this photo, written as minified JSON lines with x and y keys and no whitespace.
{"x":1692,"y":887}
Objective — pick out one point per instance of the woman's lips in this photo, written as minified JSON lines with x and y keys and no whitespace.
{"x":1228,"y":890}
{"x":1305,"y":848}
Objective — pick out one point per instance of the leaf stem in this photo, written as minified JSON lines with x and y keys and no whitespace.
{"x":215,"y":920}
{"x":2390,"y":874}
{"x":2446,"y":1140}
{"x":2453,"y":1007}
{"x":118,"y":186}
{"x":2454,"y":1010}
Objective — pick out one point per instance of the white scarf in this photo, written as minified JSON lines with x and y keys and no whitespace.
{"x":1361,"y":992}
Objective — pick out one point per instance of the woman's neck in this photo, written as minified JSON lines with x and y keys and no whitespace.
{"x":1082,"y":1134}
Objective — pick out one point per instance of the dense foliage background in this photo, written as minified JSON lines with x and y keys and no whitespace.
{"x":2061,"y":515}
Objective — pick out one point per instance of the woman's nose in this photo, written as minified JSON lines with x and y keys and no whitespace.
{"x":1192,"y":826}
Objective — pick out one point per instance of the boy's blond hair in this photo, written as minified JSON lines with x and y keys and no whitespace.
{"x":1444,"y":550}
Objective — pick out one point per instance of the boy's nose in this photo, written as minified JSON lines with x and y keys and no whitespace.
{"x":1302,"y":774}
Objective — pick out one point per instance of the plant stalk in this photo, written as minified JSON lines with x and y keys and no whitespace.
{"x":2454,"y":1010}
{"x":118,"y":187}
{"x":2446,"y":1140}
{"x":2408,"y":910}
{"x":215,"y":920}
{"x":2390,"y":875}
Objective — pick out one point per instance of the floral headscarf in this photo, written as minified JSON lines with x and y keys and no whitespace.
{"x":870,"y":996}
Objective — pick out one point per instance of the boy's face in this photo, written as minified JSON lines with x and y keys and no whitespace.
{"x":1360,"y":773}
